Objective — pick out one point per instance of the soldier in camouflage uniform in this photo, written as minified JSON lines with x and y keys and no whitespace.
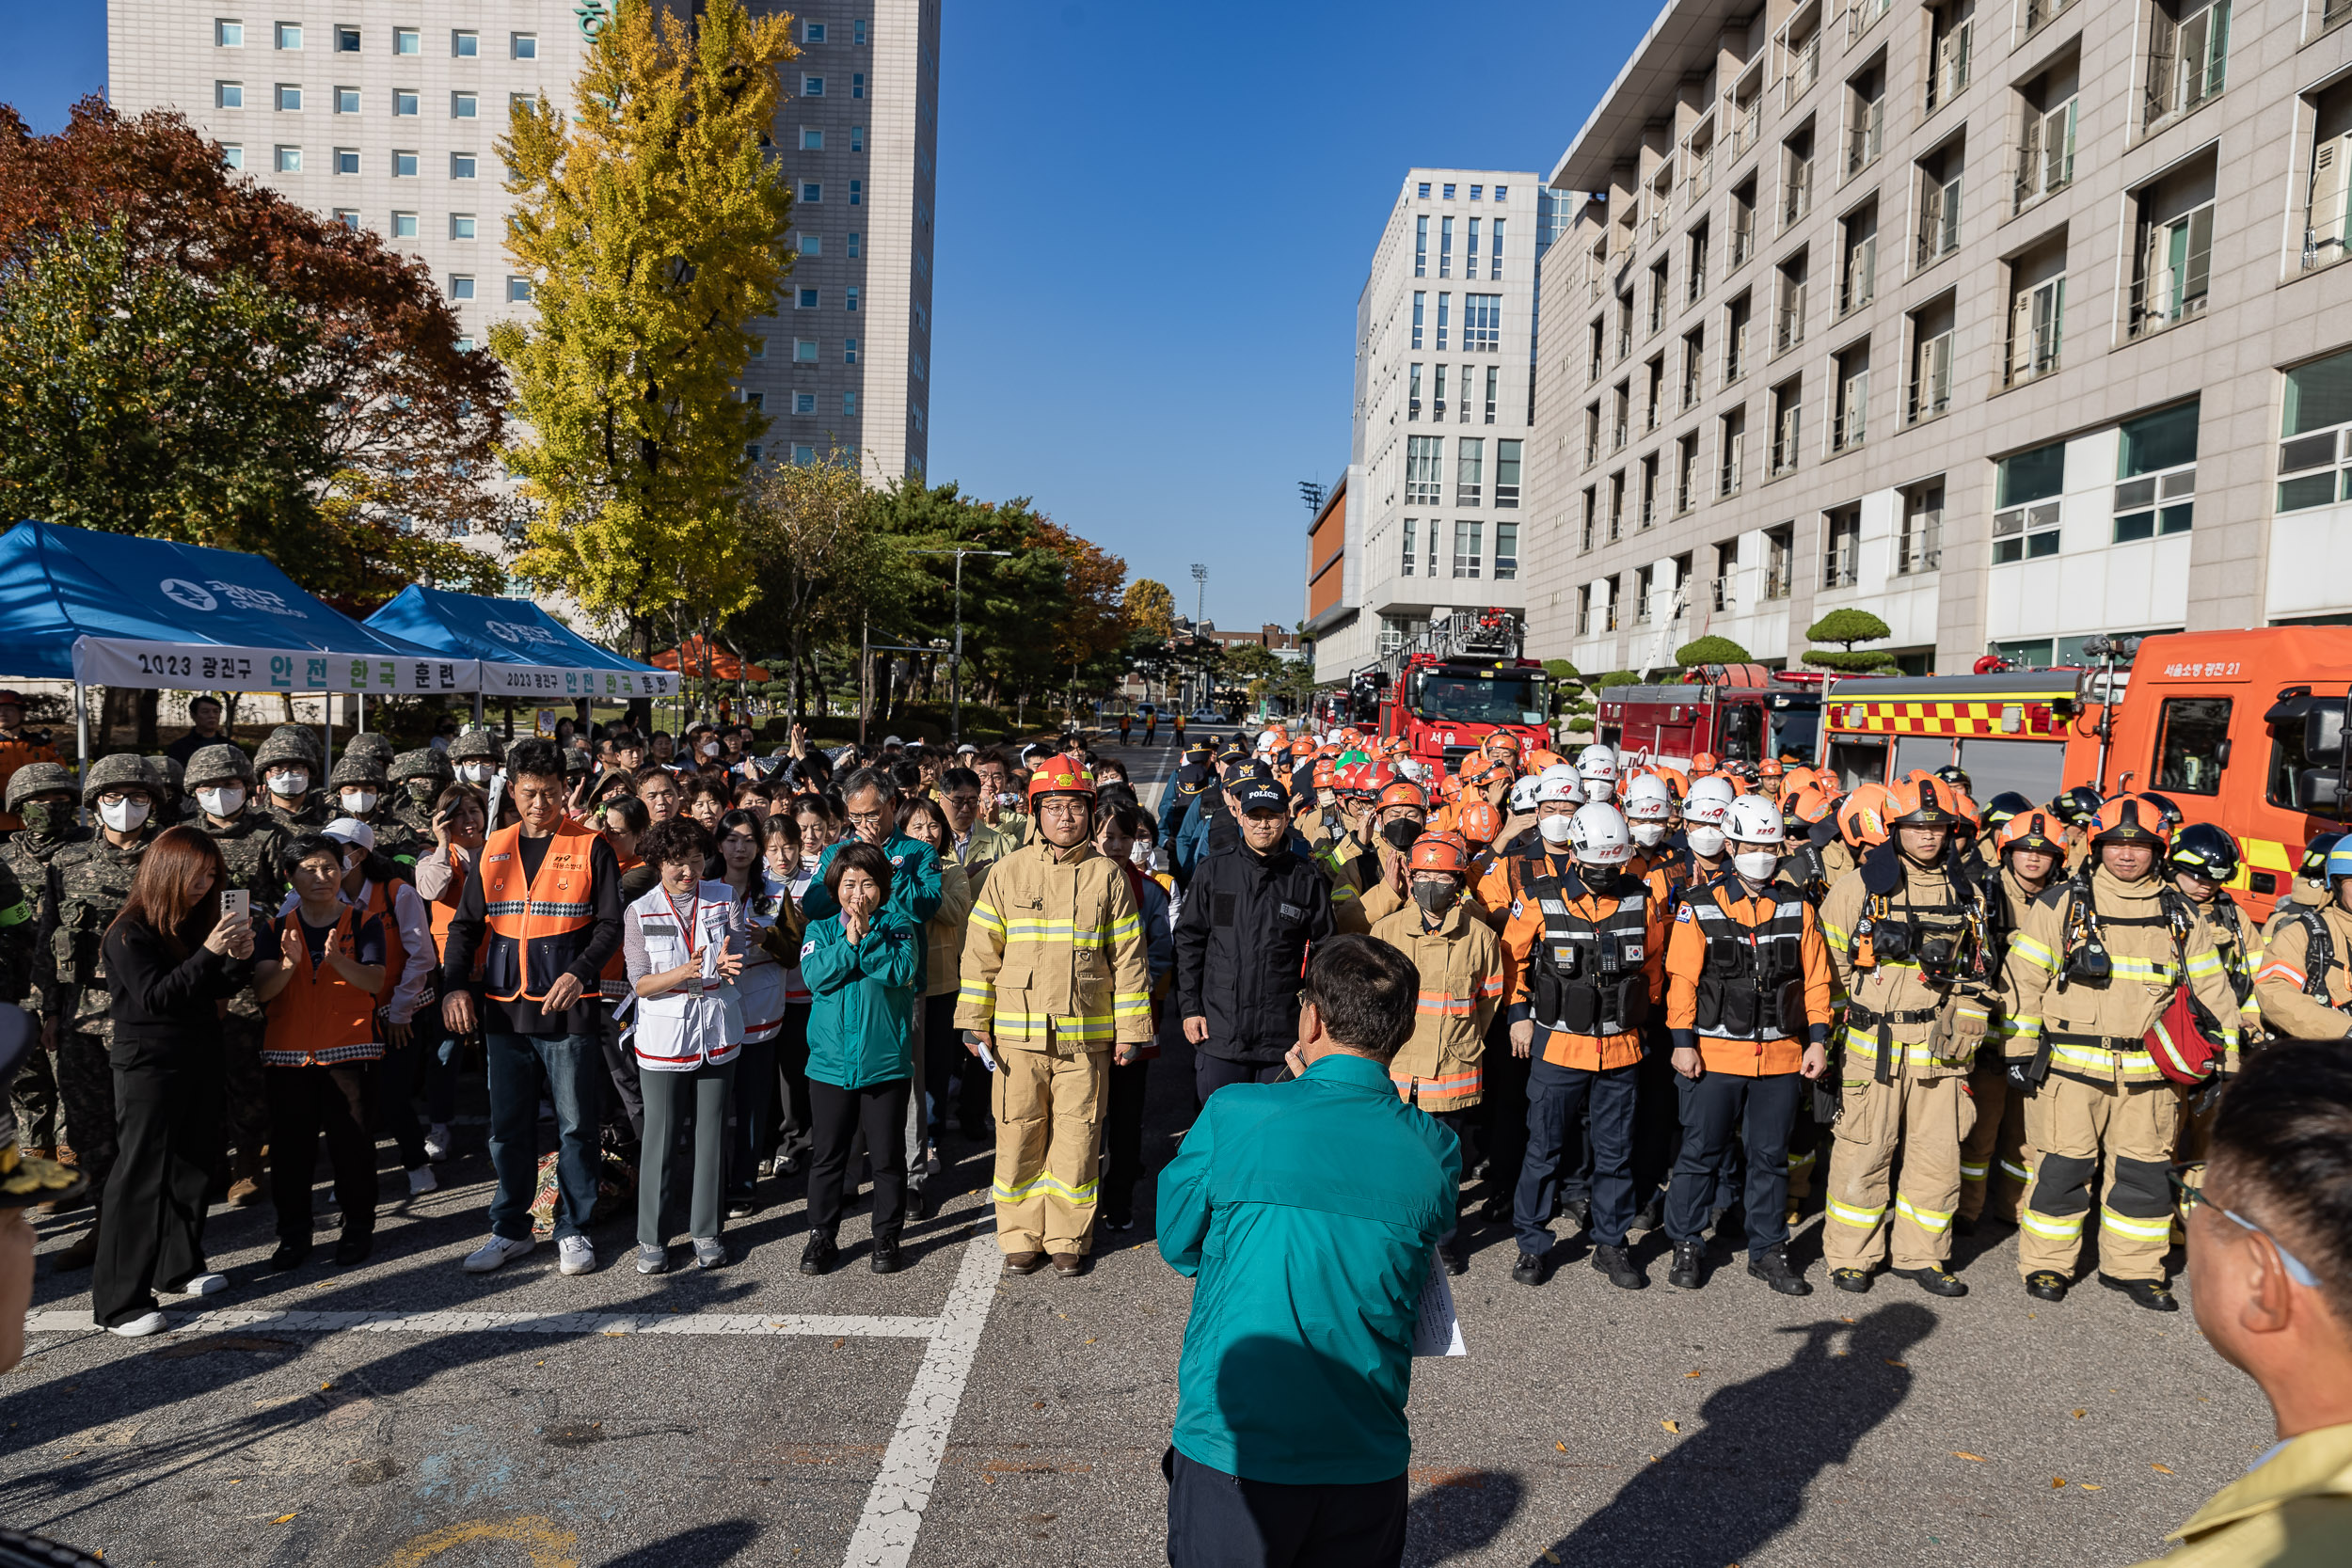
{"x":171,"y":807}
{"x":43,"y":793}
{"x":356,"y":789}
{"x":86,"y":886}
{"x":289,"y":757}
{"x":418,"y":779}
{"x":477,"y":756}
{"x":253,"y":842}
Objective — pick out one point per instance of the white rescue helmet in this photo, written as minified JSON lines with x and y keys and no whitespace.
{"x":1648,"y":798}
{"x":1523,"y":795}
{"x":1597,"y":766}
{"x":1705,"y":807}
{"x":1598,"y":835}
{"x":1753,"y":819}
{"x":1557,"y":784}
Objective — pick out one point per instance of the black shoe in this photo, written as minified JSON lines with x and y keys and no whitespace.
{"x":1690,"y":1257}
{"x":2150,"y":1293}
{"x":926,"y":1204}
{"x":1651,"y":1218}
{"x":1855,"y":1280}
{"x":288,"y":1255}
{"x":1611,"y":1261}
{"x":1771,"y":1267}
{"x":1121,"y":1221}
{"x":1935,"y":1280}
{"x":886,"y":1258}
{"x":819,"y":1255}
{"x":1456,"y":1262}
{"x":2045,"y":1285}
{"x":1580,"y":1210}
{"x":354,"y":1247}
{"x":1496,"y":1210}
{"x":741,"y":1208}
{"x":1963,"y":1226}
{"x":1528,"y":1269}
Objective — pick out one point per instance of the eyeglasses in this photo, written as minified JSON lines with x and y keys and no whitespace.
{"x":2191,"y":1197}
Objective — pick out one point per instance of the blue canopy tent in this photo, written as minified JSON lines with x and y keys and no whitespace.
{"x":116,"y":609}
{"x":520,"y":650}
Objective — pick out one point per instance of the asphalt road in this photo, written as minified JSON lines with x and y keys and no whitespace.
{"x":945,"y":1415}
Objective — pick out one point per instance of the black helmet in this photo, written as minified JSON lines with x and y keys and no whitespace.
{"x":2312,"y":867}
{"x":2205,"y":850}
{"x":2002,"y":807}
{"x":2075,"y":807}
{"x":2174,"y":815}
{"x":1954,"y":774}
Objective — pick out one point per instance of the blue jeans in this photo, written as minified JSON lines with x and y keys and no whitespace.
{"x":1555,"y":1097}
{"x":570,"y":1066}
{"x":1714,"y":1107}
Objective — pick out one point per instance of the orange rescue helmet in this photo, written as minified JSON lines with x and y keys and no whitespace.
{"x":1439,"y":852}
{"x":1059,"y":775}
{"x":1478,"y":821}
{"x":1404,"y":792}
{"x":2130,"y":819}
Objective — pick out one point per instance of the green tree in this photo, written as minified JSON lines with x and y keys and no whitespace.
{"x":1150,"y":607}
{"x":820,"y":565}
{"x":652,"y":224}
{"x":1710,"y":650}
{"x":1847,"y":627}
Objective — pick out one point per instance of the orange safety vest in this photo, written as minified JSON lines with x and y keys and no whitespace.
{"x":395,"y":949}
{"x":320,"y":1016}
{"x":441,"y":910}
{"x":539,"y":928}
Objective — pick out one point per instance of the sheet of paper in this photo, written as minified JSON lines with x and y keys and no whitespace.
{"x":1437,"y":1332}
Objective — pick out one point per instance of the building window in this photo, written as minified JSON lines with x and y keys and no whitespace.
{"x":812,"y":32}
{"x":1920,"y":546}
{"x":1412,"y":393}
{"x":849,"y":405}
{"x":1657,"y":296}
{"x":348,"y":217}
{"x":812,"y":140}
{"x":1790,"y":280}
{"x":857,"y":80}
{"x":465,"y":45}
{"x":1841,"y":548}
{"x":1494,"y":377}
{"x":1780,"y":560}
{"x":1732,"y":438}
{"x":1469,"y":465}
{"x":522,"y":104}
{"x":1858,"y":263}
{"x":290,"y":35}
{"x":346,"y":101}
{"x":850,"y":296}
{"x":289,"y":160}
{"x":1694,"y":264}
{"x":1507,"y":472}
{"x":1420,"y":242}
{"x":1686,"y":473}
{"x":855,"y":237}
{"x":518,"y":290}
{"x":346,"y":41}
{"x":812,"y":87}
{"x":346,"y":160}
{"x":1930,"y":390}
{"x":1796,"y":178}
{"x":1866,"y":119}
{"x":1743,"y":222}
{"x":408,"y":40}
{"x":460,"y":287}
{"x":1939,"y":204}
{"x":522,"y":46}
{"x":857,"y":138}
{"x":1445,"y":311}
{"x":857,"y":197}
{"x":2327,"y":209}
{"x":1422,"y":480}
{"x":812,"y":193}
{"x":1949,"y":26}
{"x":759,"y":348}
{"x":805,"y":351}
{"x":1419,"y":302}
{"x":231,"y":155}
{"x":230,"y":35}
{"x":289,"y":97}
{"x":809,"y":299}
{"x":462,"y":105}
{"x":2046,"y":153}
{"x":404,"y":226}
{"x":403,"y":165}
{"x":1449,"y":193}
{"x":404,"y":101}
{"x":1788,"y":425}
{"x":2036,"y":314}
{"x":461,"y":226}
{"x":1482,"y":323}
{"x":1507,"y":551}
{"x":1469,"y":250}
{"x":2025,"y":491}
{"x":804,"y":403}
{"x":1735,"y":341}
{"x":2171,"y":265}
{"x":2318,"y":417}
{"x":1853,"y":422}
{"x":1650,"y":490}
{"x":1404,"y":567}
{"x":2157,"y":464}
{"x":848,"y":350}
{"x":1494,"y":252}
{"x":804,"y":456}
{"x":1469,"y":548}
{"x":2189,"y":51}
{"x":857,"y":32}
{"x":1445,"y":242}
{"x":1436,"y":406}
{"x":461,"y":166}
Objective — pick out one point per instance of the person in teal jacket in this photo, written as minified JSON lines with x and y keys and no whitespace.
{"x":870,"y":800}
{"x":860,"y":965}
{"x":1307,"y":1212}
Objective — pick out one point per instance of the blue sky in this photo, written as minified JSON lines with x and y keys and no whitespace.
{"x":1153,"y":221}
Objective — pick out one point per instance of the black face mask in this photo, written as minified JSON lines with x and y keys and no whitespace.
{"x":1434,"y":898}
{"x":423,"y":791}
{"x":1400,"y":834}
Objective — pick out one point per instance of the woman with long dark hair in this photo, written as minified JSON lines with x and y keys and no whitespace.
{"x":172,"y":954}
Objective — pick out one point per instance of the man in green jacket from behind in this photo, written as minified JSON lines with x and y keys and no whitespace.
{"x":1307,"y":1212}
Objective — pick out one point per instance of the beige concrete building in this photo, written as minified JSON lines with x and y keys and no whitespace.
{"x":2011,"y":321}
{"x":387,"y":118}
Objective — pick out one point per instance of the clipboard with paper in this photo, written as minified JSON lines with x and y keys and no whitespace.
{"x":1437,"y":1331}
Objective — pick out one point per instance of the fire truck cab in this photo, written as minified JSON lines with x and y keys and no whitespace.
{"x":1739,"y":712}
{"x":1459,"y":682}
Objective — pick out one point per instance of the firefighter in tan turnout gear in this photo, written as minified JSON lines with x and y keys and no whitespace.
{"x":2303,"y":985}
{"x":2094,"y":967}
{"x":1055,"y":979}
{"x":1995,"y":1162}
{"x":1906,"y":933}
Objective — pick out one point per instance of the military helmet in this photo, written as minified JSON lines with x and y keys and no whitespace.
{"x":476,"y":744}
{"x":222,"y":761}
{"x":575,"y":761}
{"x":370,"y":743}
{"x":423,"y":762}
{"x":301,"y":735}
{"x":119,"y":770}
{"x":356,"y":767}
{"x":165,"y":769}
{"x":287,"y":743}
{"x":38,"y":778}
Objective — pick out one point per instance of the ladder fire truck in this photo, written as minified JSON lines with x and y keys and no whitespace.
{"x":1452,"y":686}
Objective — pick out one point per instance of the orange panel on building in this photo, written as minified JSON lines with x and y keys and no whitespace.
{"x":1326,"y":553}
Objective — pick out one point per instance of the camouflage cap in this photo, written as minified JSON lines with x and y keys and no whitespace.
{"x":302,"y":735}
{"x":218,"y":762}
{"x":370,"y":743}
{"x":423,"y":762}
{"x":38,"y":778}
{"x":476,"y":744}
{"x":285,"y":744}
{"x":165,"y":770}
{"x":122,"y":770}
{"x":356,"y":767}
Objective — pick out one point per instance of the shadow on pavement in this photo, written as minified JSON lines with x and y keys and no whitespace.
{"x":1457,"y":1514}
{"x":1740,"y":1479}
{"x":693,"y":1548}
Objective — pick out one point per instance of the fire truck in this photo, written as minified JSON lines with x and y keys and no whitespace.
{"x":1449,"y":689}
{"x":1738,"y":712}
{"x":2243,"y":729}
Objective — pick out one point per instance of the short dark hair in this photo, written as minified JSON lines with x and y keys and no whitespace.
{"x":1366,"y":991}
{"x":653,"y":771}
{"x":303,"y":846}
{"x":623,"y":740}
{"x":862,"y":856}
{"x":908,"y":776}
{"x":1129,"y":819}
{"x":2281,"y":1151}
{"x":537,"y":758}
{"x":680,"y":838}
{"x":954,"y":779}
{"x":635,"y":817}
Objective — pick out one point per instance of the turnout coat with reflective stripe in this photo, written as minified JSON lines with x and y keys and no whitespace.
{"x":1055,"y":949}
{"x":1464,"y":975}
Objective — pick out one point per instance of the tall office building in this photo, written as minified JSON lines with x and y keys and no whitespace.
{"x":387,"y":120}
{"x":2012,"y":324}
{"x":1430,"y":513}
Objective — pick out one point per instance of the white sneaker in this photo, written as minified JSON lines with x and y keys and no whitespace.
{"x":496,"y":1252}
{"x":140,"y":1328}
{"x":421,"y":1181}
{"x":437,"y":1142}
{"x":575,"y":1255}
{"x":204,"y":1285}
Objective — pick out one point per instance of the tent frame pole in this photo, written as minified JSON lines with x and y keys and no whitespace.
{"x":360,"y":701}
{"x":81,"y":743}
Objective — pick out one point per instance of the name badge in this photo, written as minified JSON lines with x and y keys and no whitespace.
{"x":1291,"y":912}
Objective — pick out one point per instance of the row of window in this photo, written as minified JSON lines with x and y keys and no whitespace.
{"x":804,"y":455}
{"x":812,"y":138}
{"x":1469,"y":556}
{"x":1503,"y":193}
{"x":406,"y":101}
{"x":804,"y":403}
{"x":1482,"y":320}
{"x":1445,"y":247}
{"x":465,"y":43}
{"x":406,"y":162}
{"x":461,"y":285}
{"x":1424,"y":471}
{"x":806,"y":351}
{"x":1464,"y":406}
{"x":812,"y":193}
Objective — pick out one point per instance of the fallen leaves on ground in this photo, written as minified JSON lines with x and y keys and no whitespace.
{"x":1973,"y":1458}
{"x":2086,"y":1485}
{"x":282,"y":1518}
{"x":1695,"y":1371}
{"x":1670,"y":1426}
{"x":1892,"y":1362}
{"x":2161,"y":1469}
{"x":2057,"y":1482}
{"x":2080,"y":1414}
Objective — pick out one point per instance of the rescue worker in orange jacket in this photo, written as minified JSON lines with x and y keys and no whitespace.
{"x":1587,"y":951}
{"x":1557,"y":795}
{"x":1464,"y":975}
{"x":1748,"y":992}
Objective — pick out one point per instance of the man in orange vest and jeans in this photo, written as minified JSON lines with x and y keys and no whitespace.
{"x":542,"y":903}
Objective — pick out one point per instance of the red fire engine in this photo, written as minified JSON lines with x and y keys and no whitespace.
{"x":1738,"y":712}
{"x":1456,"y":684}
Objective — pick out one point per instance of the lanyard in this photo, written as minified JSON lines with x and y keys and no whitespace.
{"x":692,"y":921}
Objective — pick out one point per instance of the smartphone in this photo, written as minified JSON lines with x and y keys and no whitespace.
{"x":237,"y":902}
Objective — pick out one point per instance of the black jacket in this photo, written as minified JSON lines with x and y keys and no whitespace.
{"x":1241,"y":948}
{"x":164,"y":1007}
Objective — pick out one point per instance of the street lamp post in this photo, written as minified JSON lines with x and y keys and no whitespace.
{"x":955,"y":660}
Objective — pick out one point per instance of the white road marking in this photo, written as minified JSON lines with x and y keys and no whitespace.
{"x":894,"y":1508}
{"x":757,"y":1324}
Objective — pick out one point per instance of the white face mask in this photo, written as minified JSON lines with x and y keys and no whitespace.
{"x":122,"y":816}
{"x":477,"y":772}
{"x":710,"y":747}
{"x":1706,"y":843}
{"x":224,"y":801}
{"x":290,"y":784}
{"x":1597,"y":789}
{"x":358,"y":803}
{"x":1555,"y":827}
{"x":1754,"y":865}
{"x":1328,"y":797}
{"x":1648,"y":834}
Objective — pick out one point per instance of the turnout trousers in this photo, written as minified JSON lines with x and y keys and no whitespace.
{"x":2075,"y":1125}
{"x":1994,"y":1163}
{"x":1050,"y":1102}
{"x":1900,"y":1141}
